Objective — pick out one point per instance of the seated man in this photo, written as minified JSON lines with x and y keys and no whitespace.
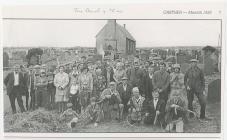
{"x":68,"y":114}
{"x":111,"y":103}
{"x":135,"y":106}
{"x":94,"y":112}
{"x":175,"y":112}
{"x":154,"y":109}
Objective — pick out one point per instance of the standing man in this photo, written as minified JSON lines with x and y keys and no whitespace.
{"x":14,"y":84}
{"x":136,"y":77}
{"x":148,"y":82}
{"x":195,"y":84}
{"x":26,"y":83}
{"x":161,"y":81}
{"x":31,"y":87}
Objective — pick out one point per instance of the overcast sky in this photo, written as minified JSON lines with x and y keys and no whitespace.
{"x":148,"y":33}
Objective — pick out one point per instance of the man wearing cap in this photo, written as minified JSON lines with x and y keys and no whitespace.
{"x":136,"y":77}
{"x":195,"y":85}
{"x":99,"y":83}
{"x":41,"y":89}
{"x":161,"y":81}
{"x":14,"y":84}
{"x":125,"y":91}
{"x":111,"y":103}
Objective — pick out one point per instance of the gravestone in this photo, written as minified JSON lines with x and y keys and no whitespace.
{"x":214,"y":91}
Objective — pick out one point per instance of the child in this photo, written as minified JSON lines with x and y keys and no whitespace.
{"x":91,"y":114}
{"x":154,"y":109}
{"x":135,"y":106}
{"x":68,"y":115}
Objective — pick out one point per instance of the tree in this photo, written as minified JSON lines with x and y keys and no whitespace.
{"x":32,"y":56}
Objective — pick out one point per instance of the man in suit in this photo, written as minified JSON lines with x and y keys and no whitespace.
{"x":148,"y":82}
{"x":25,"y":75}
{"x":195,"y":85}
{"x":125,"y":91}
{"x":154,"y":109}
{"x":161,"y":81}
{"x":14,"y":83}
{"x":136,"y":77}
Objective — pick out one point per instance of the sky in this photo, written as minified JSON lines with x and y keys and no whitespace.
{"x":148,"y":33}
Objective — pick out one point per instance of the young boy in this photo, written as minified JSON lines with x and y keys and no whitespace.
{"x":154,"y":109}
{"x":92,"y":114}
{"x":68,"y":115}
{"x":135,"y":106}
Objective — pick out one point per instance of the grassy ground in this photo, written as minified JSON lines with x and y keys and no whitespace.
{"x":48,"y":121}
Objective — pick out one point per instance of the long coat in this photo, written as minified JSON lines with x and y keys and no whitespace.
{"x":194,"y":78}
{"x":9,"y":83}
{"x":148,"y":86}
{"x":63,"y":81}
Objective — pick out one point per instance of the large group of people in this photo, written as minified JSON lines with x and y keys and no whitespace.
{"x":140,"y":92}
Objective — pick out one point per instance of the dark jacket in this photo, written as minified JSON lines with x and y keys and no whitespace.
{"x":148,"y":86}
{"x":136,"y":78}
{"x":194,"y":78}
{"x":148,"y":107}
{"x":9,"y":83}
{"x":161,"y":80}
{"x":125,"y":95}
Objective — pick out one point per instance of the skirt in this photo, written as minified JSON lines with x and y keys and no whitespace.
{"x":61,"y":98}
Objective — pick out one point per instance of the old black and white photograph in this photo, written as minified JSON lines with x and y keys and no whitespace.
{"x":112,"y":75}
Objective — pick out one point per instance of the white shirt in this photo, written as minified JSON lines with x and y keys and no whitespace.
{"x":155,"y":103}
{"x":150,"y":75}
{"x":124,"y":87}
{"x":16,"y":79}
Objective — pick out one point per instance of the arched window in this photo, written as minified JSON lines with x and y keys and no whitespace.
{"x":110,"y":47}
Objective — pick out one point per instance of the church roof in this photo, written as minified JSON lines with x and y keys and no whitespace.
{"x":118,"y":28}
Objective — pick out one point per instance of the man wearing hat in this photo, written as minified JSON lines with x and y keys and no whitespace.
{"x":195,"y":85}
{"x":14,"y":85}
{"x":161,"y":81}
{"x":111,"y":103}
{"x":125,"y":91}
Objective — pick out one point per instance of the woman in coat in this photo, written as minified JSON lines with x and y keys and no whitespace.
{"x":61,"y":81}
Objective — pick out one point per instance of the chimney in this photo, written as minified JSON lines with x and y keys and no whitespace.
{"x":124,"y":25}
{"x":111,"y":21}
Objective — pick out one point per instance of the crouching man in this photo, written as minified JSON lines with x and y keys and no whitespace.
{"x":111,"y":103}
{"x":175,"y":112}
{"x":94,"y":112}
{"x":135,"y":106}
{"x":154,"y":110}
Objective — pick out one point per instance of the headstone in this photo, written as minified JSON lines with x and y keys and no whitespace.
{"x":214,"y":91}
